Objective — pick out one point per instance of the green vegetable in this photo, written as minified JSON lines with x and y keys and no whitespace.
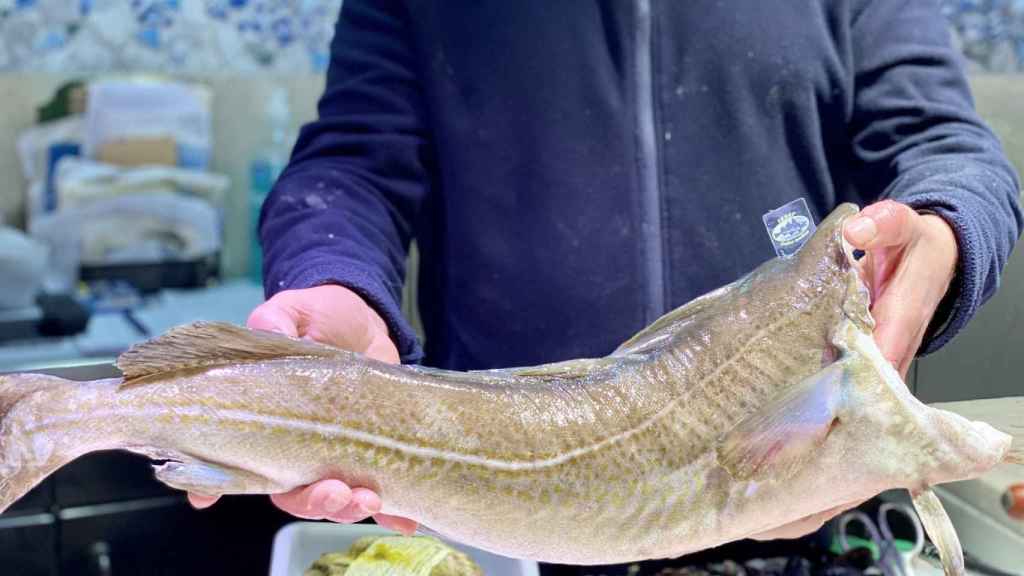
{"x":396,"y":556}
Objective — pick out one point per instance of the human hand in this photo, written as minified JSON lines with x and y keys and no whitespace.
{"x":337,"y":316}
{"x":805,"y":526}
{"x":910,"y":260}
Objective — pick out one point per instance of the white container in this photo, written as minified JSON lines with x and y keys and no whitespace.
{"x":299,"y":544}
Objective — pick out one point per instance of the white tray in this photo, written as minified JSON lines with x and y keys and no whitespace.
{"x":299,"y":544}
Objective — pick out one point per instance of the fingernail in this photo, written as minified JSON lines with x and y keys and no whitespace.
{"x":276,"y":329}
{"x":861,"y":230}
{"x":333,"y":503}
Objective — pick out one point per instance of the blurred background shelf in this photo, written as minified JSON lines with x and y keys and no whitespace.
{"x":109,"y":334}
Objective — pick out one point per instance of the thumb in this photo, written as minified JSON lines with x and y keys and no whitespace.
{"x":383,"y":349}
{"x":272,"y":317}
{"x":886,"y":223}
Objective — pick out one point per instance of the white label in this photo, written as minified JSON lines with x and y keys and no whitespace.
{"x":789,"y":227}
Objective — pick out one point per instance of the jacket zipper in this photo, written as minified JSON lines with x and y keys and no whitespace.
{"x":648,"y":164}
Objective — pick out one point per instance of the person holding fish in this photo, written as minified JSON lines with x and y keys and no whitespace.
{"x":572,"y":171}
{"x":616,"y":367}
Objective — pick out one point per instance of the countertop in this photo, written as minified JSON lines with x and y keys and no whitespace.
{"x":109,"y":334}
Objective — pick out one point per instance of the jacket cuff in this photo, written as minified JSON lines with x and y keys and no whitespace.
{"x":964,"y":295}
{"x":364,"y":282}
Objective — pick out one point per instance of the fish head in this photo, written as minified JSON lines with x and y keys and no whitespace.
{"x":902,"y":441}
{"x":963,"y":448}
{"x":870,"y":428}
{"x":828,"y":259}
{"x":822,"y":280}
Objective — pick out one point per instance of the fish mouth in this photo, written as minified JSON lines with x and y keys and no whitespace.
{"x":857,"y":302}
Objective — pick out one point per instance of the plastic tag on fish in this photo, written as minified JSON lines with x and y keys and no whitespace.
{"x":789,"y":227}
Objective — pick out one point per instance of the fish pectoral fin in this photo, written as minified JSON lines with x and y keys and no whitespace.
{"x":213,"y":343}
{"x":783,"y":434}
{"x":214,"y":479}
{"x":940,"y":531}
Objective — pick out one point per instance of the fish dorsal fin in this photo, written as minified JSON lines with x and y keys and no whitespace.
{"x":662,"y":327}
{"x":210,"y":344}
{"x":567,"y":370}
{"x":523,"y":376}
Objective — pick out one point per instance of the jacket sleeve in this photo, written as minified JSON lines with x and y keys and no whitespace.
{"x":343,"y":210}
{"x":917,"y":139}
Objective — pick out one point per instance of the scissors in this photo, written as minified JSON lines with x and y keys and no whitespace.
{"x":895,"y":556}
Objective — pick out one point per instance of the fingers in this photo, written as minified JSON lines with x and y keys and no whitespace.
{"x":383,"y":349}
{"x":328,"y":314}
{"x":806,"y":525}
{"x":199,"y":501}
{"x":342,"y":318}
{"x":919,"y":278}
{"x":910,"y":261}
{"x":333,"y":500}
{"x":900,"y":337}
{"x":364,"y":503}
{"x":885,"y":223}
{"x":793,"y":530}
{"x":404,"y":526}
{"x":329,"y":500}
{"x":316,"y":501}
{"x":901,"y":317}
{"x":273,"y":317}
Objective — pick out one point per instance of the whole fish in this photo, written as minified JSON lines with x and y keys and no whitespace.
{"x":761,"y":404}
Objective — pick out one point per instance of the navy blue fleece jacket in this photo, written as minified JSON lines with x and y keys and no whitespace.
{"x":571,"y":170}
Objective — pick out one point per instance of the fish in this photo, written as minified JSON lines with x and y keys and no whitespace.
{"x":759,"y":405}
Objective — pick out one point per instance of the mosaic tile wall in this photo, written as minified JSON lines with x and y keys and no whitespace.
{"x":209,"y":36}
{"x":989,"y":32}
{"x":188,"y":36}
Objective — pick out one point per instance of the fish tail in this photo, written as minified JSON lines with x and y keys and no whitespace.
{"x":1003,"y":414}
{"x":26,"y":457}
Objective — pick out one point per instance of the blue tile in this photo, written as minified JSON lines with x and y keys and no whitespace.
{"x":52,"y":40}
{"x":318,"y":61}
{"x":282,"y":28}
{"x":149,"y":37}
